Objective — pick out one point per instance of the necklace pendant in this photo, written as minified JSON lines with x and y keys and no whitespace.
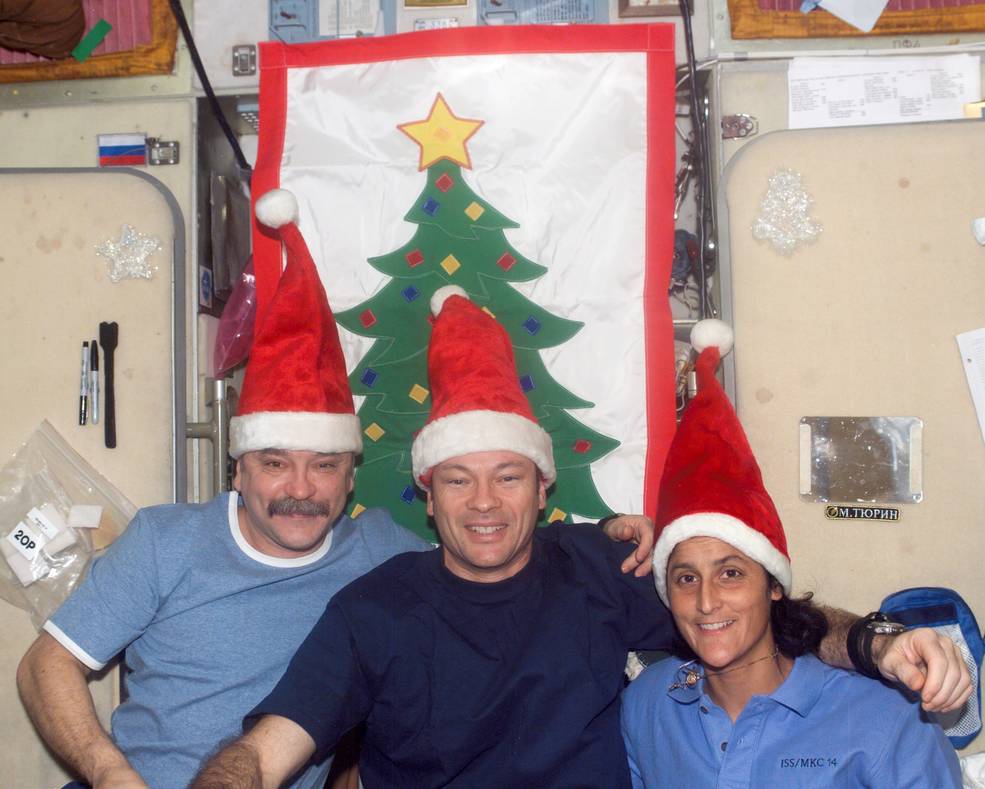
{"x":691,"y":677}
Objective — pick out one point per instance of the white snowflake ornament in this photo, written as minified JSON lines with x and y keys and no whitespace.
{"x":128,"y":256}
{"x":784,"y":214}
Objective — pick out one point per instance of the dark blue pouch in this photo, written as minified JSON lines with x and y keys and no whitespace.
{"x":946,"y":612}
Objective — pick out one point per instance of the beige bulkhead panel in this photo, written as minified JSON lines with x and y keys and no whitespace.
{"x":862,"y":323}
{"x":56,"y":292}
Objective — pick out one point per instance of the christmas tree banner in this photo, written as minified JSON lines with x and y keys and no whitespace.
{"x":532,"y":166}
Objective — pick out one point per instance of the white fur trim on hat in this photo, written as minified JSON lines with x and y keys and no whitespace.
{"x":727,"y":529}
{"x":482,"y":431}
{"x":277,"y":208}
{"x":312,"y":431}
{"x":712,"y":333}
{"x":441,"y":295}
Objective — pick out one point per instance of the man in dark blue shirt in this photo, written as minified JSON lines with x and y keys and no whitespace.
{"x":494,"y":661}
{"x":511,"y":682}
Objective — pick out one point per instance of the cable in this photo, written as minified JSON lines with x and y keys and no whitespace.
{"x":179,"y":16}
{"x":700,"y":158}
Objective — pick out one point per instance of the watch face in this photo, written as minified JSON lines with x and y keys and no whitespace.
{"x":887,"y":628}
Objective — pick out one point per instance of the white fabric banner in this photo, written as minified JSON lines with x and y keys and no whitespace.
{"x":565,"y":150}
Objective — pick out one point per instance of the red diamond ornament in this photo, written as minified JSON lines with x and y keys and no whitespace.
{"x":582,"y":446}
{"x":444,"y":183}
{"x":506,"y":261}
{"x":367,"y":318}
{"x":415,"y":258}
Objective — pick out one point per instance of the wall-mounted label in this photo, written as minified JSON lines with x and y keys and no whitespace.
{"x":851,"y":512}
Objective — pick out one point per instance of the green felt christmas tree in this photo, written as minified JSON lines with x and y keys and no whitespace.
{"x":459,"y":240}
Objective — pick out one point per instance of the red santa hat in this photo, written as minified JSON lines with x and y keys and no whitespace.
{"x":476,"y":401}
{"x":296,"y":394}
{"x":711,"y":484}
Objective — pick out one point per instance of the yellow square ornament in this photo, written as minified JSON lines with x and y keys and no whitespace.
{"x":557,"y":515}
{"x":450,"y":264}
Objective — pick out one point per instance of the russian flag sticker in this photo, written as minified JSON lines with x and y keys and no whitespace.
{"x":122,"y":150}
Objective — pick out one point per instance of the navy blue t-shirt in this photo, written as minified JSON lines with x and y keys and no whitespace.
{"x":474,"y":685}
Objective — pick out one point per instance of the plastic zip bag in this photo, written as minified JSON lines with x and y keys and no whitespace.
{"x":56,"y":510}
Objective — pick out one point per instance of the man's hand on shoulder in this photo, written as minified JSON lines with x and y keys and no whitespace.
{"x":638,"y":529}
{"x":926,"y":663}
{"x":118,"y":777}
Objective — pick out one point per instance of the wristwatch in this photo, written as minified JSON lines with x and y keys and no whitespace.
{"x":881,"y":625}
{"x":860,"y":641}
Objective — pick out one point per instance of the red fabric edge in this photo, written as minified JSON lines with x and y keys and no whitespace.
{"x":656,"y":40}
{"x":657,"y":320}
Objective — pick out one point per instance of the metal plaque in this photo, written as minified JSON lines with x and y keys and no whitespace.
{"x":861,"y":459}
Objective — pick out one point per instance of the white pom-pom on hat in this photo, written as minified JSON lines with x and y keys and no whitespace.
{"x":441,"y":296}
{"x":277,"y":208}
{"x":712,"y":333}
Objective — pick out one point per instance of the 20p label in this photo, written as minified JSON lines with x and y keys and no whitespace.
{"x":27,"y":541}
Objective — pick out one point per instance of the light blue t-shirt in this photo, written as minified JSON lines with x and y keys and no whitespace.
{"x":823,"y":727}
{"x":209,"y":624}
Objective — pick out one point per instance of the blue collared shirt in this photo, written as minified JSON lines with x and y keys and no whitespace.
{"x":823,"y":727}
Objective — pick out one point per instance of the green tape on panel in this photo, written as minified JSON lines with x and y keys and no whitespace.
{"x":91,"y":40}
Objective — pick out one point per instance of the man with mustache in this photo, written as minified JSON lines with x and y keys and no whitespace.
{"x":210,"y":601}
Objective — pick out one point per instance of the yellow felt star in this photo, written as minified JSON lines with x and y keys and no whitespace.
{"x":442,"y":135}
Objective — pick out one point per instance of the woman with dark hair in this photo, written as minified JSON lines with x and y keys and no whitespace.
{"x":755,"y":707}
{"x":798,"y":625}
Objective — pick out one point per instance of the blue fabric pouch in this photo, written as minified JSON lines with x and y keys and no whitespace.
{"x":946,"y":612}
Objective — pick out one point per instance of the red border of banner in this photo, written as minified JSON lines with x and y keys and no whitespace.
{"x":657,"y":41}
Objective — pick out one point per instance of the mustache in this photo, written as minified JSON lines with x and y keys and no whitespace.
{"x":289,"y":506}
